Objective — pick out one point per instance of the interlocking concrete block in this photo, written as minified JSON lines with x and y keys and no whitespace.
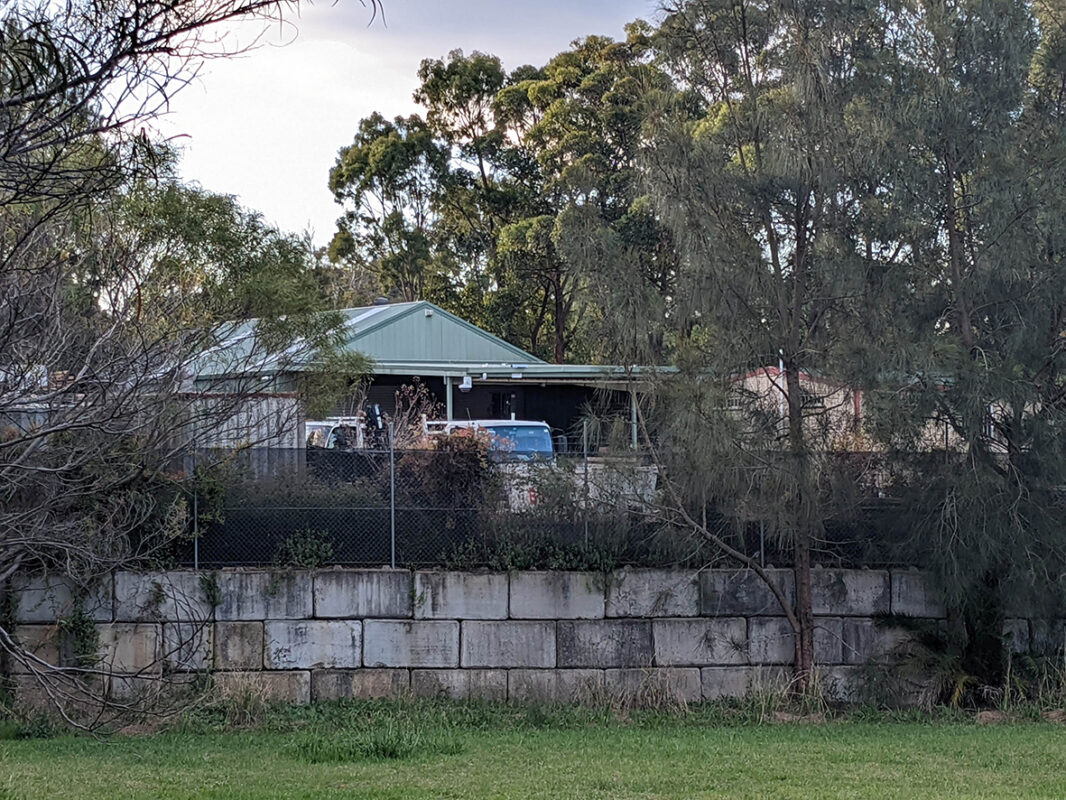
{"x":850,"y":592}
{"x":655,"y":685}
{"x":866,"y":641}
{"x":699,"y":642}
{"x":771,"y":640}
{"x":653,"y":593}
{"x":1016,"y":635}
{"x":44,"y":642}
{"x":553,"y":685}
{"x":914,"y":595}
{"x":508,"y":644}
{"x":604,"y":643}
{"x":238,"y":645}
{"x":741,"y":592}
{"x":1047,"y":637}
{"x":718,"y":683}
{"x":251,"y":596}
{"x":273,"y":687}
{"x":130,"y":647}
{"x":330,"y":684}
{"x":460,"y":595}
{"x":187,"y":645}
{"x":460,"y":684}
{"x":427,"y":643}
{"x":160,"y":597}
{"x":841,"y":684}
{"x":364,"y":593}
{"x":312,"y":644}
{"x":48,"y":599}
{"x":557,"y":595}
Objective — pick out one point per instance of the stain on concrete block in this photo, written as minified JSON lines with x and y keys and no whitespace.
{"x":425,"y":643}
{"x":238,"y":645}
{"x":557,"y":595}
{"x":508,"y":644}
{"x":734,"y":592}
{"x":914,"y":595}
{"x":653,"y":593}
{"x":604,"y":643}
{"x":364,"y":593}
{"x":312,"y":644}
{"x":850,"y":592}
{"x":461,"y":595}
{"x":699,"y":642}
{"x":130,"y":647}
{"x":251,"y":596}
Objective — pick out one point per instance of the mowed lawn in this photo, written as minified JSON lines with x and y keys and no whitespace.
{"x":667,"y":759}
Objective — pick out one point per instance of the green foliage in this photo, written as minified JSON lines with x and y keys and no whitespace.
{"x":80,"y":636}
{"x":210,"y":589}
{"x":339,"y":375}
{"x":306,"y":549}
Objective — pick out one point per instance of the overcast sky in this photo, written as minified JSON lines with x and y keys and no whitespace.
{"x":267,"y":126}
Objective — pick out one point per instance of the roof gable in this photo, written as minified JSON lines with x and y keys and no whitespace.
{"x":421,"y":332}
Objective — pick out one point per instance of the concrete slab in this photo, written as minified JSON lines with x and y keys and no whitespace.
{"x":273,"y":687}
{"x":867,"y":641}
{"x":175,"y":596}
{"x":330,"y":684}
{"x":604,"y":643}
{"x":238,"y":646}
{"x":461,"y":595}
{"x":914,"y":595}
{"x":187,"y":645}
{"x":460,"y":684}
{"x":553,"y":685}
{"x":654,"y":686}
{"x":508,"y":644}
{"x":364,"y":593}
{"x":557,"y":595}
{"x":741,"y":592}
{"x":255,"y":596}
{"x":719,"y":683}
{"x":312,"y":644}
{"x":653,"y":593}
{"x":700,"y":642}
{"x":130,"y":647}
{"x":850,"y":592}
{"x":427,"y":643}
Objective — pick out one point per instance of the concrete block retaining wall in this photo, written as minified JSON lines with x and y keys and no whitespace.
{"x":522,"y":636}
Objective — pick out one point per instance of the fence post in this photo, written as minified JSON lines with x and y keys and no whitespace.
{"x":195,"y":519}
{"x":585,"y":459}
{"x":392,"y":491}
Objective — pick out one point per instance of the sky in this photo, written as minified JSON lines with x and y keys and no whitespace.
{"x":266,"y":126}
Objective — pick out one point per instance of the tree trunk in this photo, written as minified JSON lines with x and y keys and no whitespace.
{"x":803,"y":525}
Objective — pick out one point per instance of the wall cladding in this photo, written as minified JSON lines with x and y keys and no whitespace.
{"x":521,"y":636}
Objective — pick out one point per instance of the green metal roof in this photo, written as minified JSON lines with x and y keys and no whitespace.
{"x":422,"y":333}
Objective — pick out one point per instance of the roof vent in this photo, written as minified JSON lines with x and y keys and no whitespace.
{"x":381,"y":301}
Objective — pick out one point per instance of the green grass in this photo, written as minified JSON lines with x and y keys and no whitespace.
{"x":433,"y":750}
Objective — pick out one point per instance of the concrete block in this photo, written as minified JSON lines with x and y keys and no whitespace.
{"x":654,"y":685}
{"x":841,"y":684}
{"x":699,"y":642}
{"x":508,"y":644}
{"x":828,"y":640}
{"x":152,"y":689}
{"x":238,"y":645}
{"x":273,"y":687}
{"x":460,"y":595}
{"x":719,"y":683}
{"x":364,"y":593}
{"x":1047,"y":636}
{"x":553,"y":685}
{"x":330,"y":684}
{"x":257,"y":596}
{"x":604,"y":643}
{"x":160,"y":597}
{"x":312,"y":644}
{"x":187,"y":646}
{"x":850,"y":592}
{"x":557,"y":595}
{"x":130,"y":647}
{"x":45,"y":642}
{"x":653,"y":593}
{"x":48,"y":599}
{"x":769,"y":680}
{"x":914,"y":595}
{"x":865,"y":641}
{"x":460,"y":684}
{"x":1016,"y":635}
{"x":741,"y":592}
{"x":770,"y":641}
{"x":430,"y":643}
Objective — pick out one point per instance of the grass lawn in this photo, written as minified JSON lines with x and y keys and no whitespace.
{"x":437,"y":751}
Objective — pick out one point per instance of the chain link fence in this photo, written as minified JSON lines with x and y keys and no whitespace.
{"x":316,"y":507}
